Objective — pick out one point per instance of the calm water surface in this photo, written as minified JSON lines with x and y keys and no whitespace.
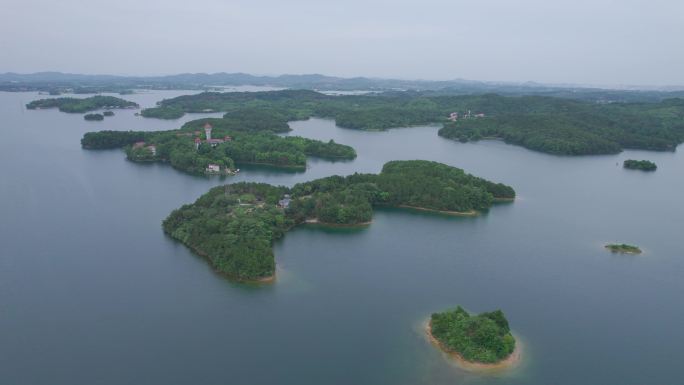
{"x":92,"y":292}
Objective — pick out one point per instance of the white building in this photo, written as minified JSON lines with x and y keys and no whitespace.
{"x":207,"y":131}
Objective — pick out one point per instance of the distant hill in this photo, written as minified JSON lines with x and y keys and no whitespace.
{"x":58,"y":82}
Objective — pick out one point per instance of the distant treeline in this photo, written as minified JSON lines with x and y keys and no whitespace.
{"x":234,"y":226}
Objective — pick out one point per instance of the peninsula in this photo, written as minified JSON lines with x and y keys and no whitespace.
{"x":216,"y":146}
{"x":479,"y":341}
{"x":81,"y":105}
{"x":234,"y":226}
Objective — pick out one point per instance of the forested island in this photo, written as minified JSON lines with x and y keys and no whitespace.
{"x":643,"y":165}
{"x":191,"y":150}
{"x":484,"y":338}
{"x":546,"y":124}
{"x":623,"y":248}
{"x":96,"y":117}
{"x":81,"y":105}
{"x":234,"y":226}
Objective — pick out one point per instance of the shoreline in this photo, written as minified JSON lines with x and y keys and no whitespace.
{"x":504,"y":200}
{"x":269,"y":279}
{"x":471,"y":213}
{"x":620,"y":250}
{"x":509,"y":362}
{"x":623,"y":251}
{"x":288,"y":167}
{"x":315,"y":221}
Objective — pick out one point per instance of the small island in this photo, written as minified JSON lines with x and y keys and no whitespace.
{"x":643,"y":165}
{"x":623,"y":248}
{"x":95,"y":117}
{"x":108,"y":113}
{"x":234,"y":226}
{"x":81,"y":105}
{"x":482,"y":341}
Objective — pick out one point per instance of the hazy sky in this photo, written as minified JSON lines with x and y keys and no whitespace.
{"x":606,"y":42}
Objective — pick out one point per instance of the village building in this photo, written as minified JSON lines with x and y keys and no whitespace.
{"x":151,"y":148}
{"x":211,"y":141}
{"x":467,"y":115}
{"x":207,"y":130}
{"x":214,"y":168}
{"x":285,"y":202}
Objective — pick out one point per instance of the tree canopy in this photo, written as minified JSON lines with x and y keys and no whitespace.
{"x":644,"y":165}
{"x":485,"y":337}
{"x":93,"y":117}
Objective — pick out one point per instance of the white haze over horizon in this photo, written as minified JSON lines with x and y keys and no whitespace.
{"x":599,"y":42}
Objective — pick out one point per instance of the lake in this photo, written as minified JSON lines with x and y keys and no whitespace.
{"x":93,"y":292}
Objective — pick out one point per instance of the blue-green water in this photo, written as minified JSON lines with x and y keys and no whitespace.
{"x":92,"y":292}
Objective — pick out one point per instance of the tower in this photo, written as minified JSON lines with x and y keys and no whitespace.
{"x":207,"y":131}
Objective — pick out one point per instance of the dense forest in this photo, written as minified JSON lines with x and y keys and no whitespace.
{"x":575,"y":128}
{"x":162,"y":113}
{"x":485,"y":337}
{"x":547,"y":124}
{"x":419,"y":183}
{"x":76,"y":105}
{"x":250,"y":119}
{"x":234,"y":226}
{"x":643,"y":165}
{"x":252,"y":145}
{"x":104,"y":140}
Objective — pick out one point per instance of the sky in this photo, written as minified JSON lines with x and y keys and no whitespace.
{"x":597,"y":42}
